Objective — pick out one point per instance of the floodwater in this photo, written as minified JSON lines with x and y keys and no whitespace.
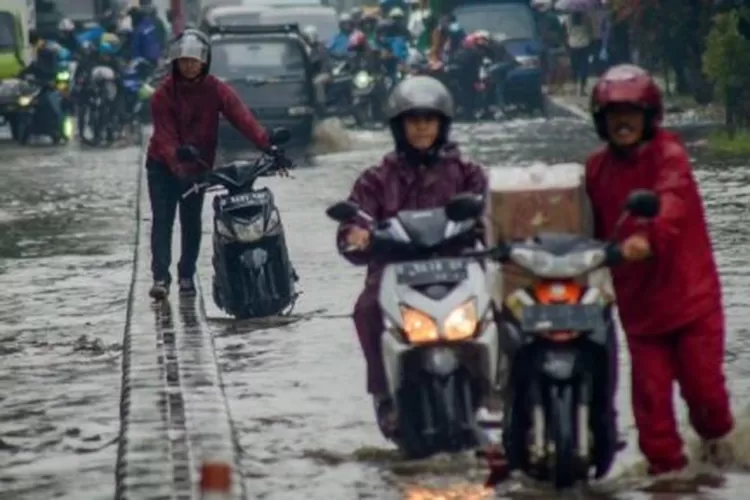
{"x":295,"y":391}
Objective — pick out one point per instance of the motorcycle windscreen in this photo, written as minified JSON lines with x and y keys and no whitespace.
{"x":265,"y":73}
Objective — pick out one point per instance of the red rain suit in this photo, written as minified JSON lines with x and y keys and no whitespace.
{"x":670,"y":304}
{"x":383,"y":191}
{"x":187,"y":113}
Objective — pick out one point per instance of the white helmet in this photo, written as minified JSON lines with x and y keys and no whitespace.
{"x":396,"y":13}
{"x":310,"y":32}
{"x":125,"y":25}
{"x":66,"y":25}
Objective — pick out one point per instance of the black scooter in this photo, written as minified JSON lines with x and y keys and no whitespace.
{"x":558,"y":335}
{"x":253,"y":275}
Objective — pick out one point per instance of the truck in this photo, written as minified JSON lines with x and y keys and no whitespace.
{"x":16,"y":19}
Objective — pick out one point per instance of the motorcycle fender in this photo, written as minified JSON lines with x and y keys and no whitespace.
{"x":393,"y":351}
{"x":254,"y":258}
{"x":511,"y":338}
{"x":440,"y":361}
{"x":559,"y":364}
{"x":601,"y":336}
{"x":489,"y":345}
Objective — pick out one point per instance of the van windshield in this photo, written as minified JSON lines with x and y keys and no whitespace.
{"x":7,"y":32}
{"x":511,"y":20}
{"x":236,"y":58}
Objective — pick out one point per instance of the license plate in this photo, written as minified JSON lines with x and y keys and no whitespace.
{"x":576,"y":318}
{"x":428,"y":272}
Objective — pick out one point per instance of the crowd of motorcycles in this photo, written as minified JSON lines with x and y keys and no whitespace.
{"x":98,"y":105}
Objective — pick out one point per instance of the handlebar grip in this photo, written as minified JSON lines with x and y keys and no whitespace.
{"x":613,"y":255}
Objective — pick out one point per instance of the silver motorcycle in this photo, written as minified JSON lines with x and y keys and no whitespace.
{"x":440,"y":344}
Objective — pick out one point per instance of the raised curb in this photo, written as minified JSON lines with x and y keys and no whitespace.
{"x":173,"y":413}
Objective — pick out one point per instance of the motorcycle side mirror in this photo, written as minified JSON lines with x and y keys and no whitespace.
{"x":187,"y":153}
{"x":280,"y":135}
{"x":465,"y":206}
{"x":343,"y":211}
{"x":643,"y":203}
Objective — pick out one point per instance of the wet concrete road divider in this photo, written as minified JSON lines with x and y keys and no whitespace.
{"x":175,"y":427}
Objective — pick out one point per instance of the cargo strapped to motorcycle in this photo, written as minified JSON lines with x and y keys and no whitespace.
{"x":255,"y":30}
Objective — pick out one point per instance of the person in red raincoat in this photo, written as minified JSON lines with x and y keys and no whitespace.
{"x":185,"y":111}
{"x":425,"y":171}
{"x":668,"y":291}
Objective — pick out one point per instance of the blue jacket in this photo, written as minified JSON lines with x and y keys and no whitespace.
{"x":145,"y":42}
{"x":339,"y":44}
{"x":91,"y":35}
{"x":400,"y":48}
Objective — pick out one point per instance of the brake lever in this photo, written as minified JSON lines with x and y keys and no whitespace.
{"x":195,"y":189}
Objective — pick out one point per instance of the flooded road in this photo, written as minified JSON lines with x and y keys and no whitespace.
{"x":66,"y":250}
{"x":296,"y":392}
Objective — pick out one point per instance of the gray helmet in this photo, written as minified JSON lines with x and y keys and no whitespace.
{"x":420,"y":94}
{"x":192,"y":44}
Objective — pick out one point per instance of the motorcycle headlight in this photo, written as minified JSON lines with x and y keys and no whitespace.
{"x":362,"y":80}
{"x":528,"y":62}
{"x":24,"y":100}
{"x":300,"y":110}
{"x":461,"y":323}
{"x":418,"y":327}
{"x":273,"y":226}
{"x":63,"y":76}
{"x":546,"y":265}
{"x":248,"y":231}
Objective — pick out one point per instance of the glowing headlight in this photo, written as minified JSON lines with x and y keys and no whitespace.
{"x":24,"y":100}
{"x":461,"y":322}
{"x":63,"y":76}
{"x":362,"y":80}
{"x":528,"y":62}
{"x":418,"y":327}
{"x":546,"y":265}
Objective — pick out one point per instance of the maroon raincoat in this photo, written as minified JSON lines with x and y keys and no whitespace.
{"x":187,"y":113}
{"x":382,"y":192}
{"x":670,"y":304}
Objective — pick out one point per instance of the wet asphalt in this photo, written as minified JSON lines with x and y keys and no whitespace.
{"x":295,"y":390}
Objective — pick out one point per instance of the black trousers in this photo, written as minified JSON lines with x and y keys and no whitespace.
{"x":165,"y":192}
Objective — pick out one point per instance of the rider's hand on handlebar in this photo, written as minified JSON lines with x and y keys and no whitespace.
{"x":282,"y":162}
{"x":636,"y":248}
{"x":358,"y":238}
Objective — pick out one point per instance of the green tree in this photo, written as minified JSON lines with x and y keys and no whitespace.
{"x":727,"y":63}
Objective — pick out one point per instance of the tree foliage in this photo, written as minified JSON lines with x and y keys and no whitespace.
{"x":727,"y":57}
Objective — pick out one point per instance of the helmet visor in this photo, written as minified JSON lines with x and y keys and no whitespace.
{"x":190,"y":47}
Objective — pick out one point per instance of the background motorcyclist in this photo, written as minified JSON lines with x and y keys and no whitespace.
{"x":438,"y":39}
{"x":185,"y":110}
{"x":477,"y":47}
{"x":400,"y":28}
{"x":320,"y":63}
{"x":43,"y":72}
{"x":67,"y":36}
{"x":392,"y":50}
{"x":668,"y":290}
{"x":424,"y":171}
{"x":125,"y":34}
{"x":338,"y":46}
{"x":368,"y":26}
{"x":145,"y":39}
{"x":356,"y":16}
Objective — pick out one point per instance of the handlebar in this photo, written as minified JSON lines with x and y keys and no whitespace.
{"x":271,"y":162}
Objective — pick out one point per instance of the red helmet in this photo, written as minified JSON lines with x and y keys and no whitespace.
{"x":627,"y":84}
{"x":357,"y":41}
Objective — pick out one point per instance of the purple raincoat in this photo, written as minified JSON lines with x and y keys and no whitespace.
{"x":383,"y":191}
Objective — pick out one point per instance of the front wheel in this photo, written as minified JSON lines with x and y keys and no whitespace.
{"x":23,"y":127}
{"x":561,"y":418}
